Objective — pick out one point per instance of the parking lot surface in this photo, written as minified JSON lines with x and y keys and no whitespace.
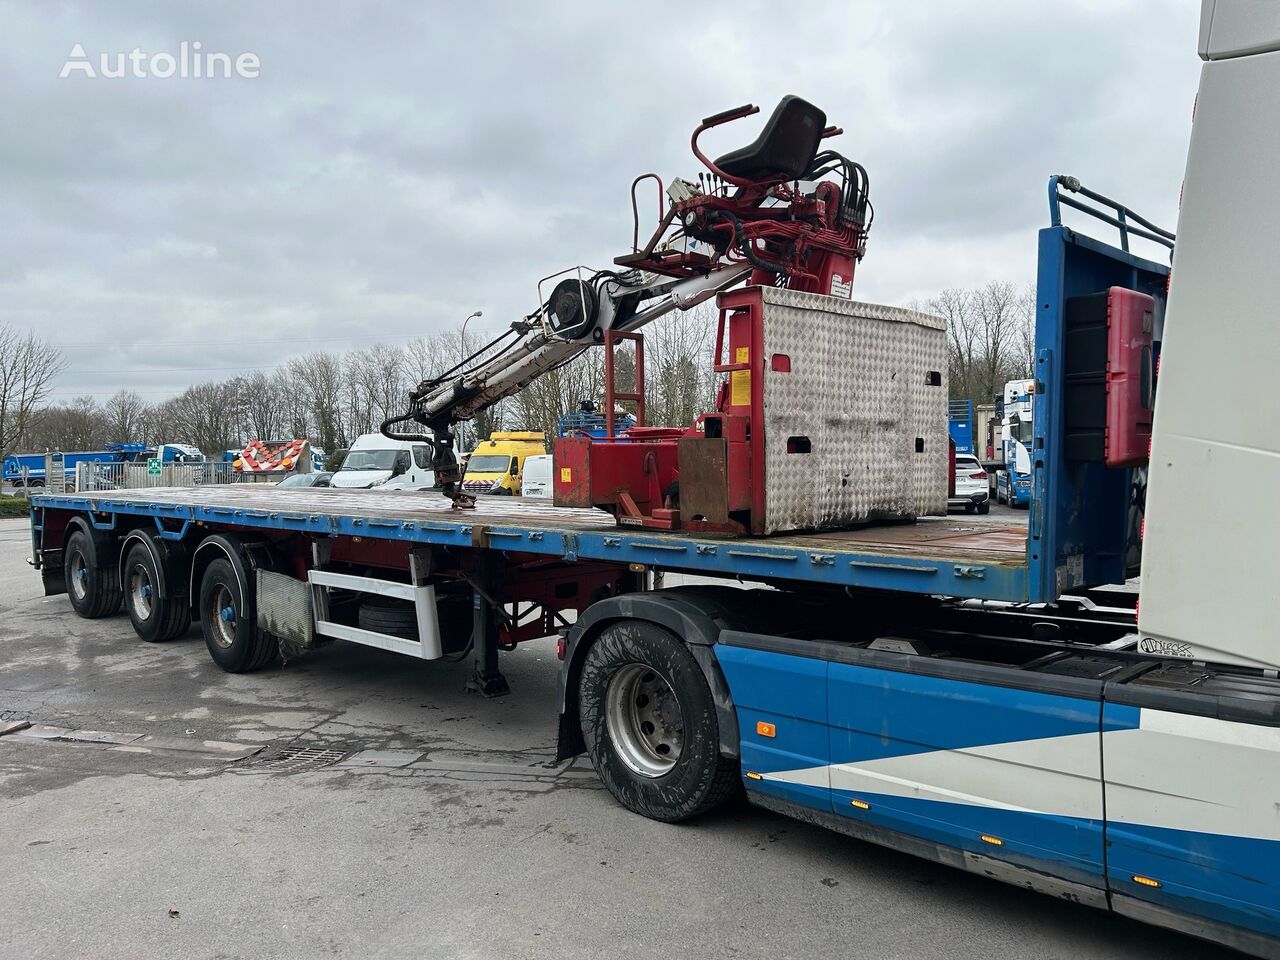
{"x":355,"y":803}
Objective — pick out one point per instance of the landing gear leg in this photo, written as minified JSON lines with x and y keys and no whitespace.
{"x":486,"y":679}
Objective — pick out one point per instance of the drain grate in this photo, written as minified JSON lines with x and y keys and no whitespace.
{"x":292,"y":759}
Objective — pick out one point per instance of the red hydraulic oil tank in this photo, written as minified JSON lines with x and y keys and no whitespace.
{"x":1109,"y":377}
{"x":1130,"y":376}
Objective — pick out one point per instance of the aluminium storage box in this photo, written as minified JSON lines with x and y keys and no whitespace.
{"x":867,"y":389}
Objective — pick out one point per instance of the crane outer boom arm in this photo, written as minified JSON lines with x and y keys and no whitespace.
{"x":522,"y":363}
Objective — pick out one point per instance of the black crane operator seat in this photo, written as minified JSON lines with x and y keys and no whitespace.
{"x":786,"y":146}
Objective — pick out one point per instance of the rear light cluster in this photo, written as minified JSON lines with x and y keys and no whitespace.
{"x":980,"y":475}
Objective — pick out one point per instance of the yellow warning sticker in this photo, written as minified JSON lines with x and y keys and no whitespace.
{"x":566,"y":475}
{"x":740,"y":380}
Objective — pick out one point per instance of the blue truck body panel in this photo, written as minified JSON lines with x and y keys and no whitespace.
{"x":1061,"y":785}
{"x":15,"y":463}
{"x":960,"y":424}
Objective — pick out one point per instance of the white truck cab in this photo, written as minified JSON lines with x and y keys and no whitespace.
{"x":376,"y":461}
{"x":1211,"y":551}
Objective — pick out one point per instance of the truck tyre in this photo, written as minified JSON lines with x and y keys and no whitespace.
{"x":649,"y":722}
{"x":94,"y":589}
{"x":155,"y":617}
{"x":229,"y":622}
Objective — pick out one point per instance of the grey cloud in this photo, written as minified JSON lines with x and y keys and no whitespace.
{"x":398,"y":165}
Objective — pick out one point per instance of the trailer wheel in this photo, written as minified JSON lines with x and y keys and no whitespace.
{"x":94,"y":589}
{"x":229,"y":622}
{"x":155,"y":617}
{"x":649,"y":723}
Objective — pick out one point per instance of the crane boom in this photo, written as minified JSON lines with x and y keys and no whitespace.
{"x":575,"y":317}
{"x":777,"y":212}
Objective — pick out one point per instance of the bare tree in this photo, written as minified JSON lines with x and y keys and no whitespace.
{"x":996,"y":309}
{"x":539,"y":405}
{"x":956,"y":307}
{"x":207,"y":415}
{"x":375,"y":387}
{"x":125,"y":413}
{"x":263,"y":406}
{"x":318,"y":378}
{"x":28,"y":366}
{"x":679,"y":382}
{"x":78,"y":425}
{"x":990,"y":337}
{"x":1023,"y":361}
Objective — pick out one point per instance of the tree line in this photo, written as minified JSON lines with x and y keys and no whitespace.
{"x":334,"y":397}
{"x":991,"y":337}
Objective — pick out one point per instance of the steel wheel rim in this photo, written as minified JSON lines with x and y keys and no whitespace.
{"x":644,"y":720}
{"x":222,"y":627}
{"x":141,"y":593}
{"x":79,"y":576}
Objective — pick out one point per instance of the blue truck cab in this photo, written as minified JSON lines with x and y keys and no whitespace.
{"x":24,"y":469}
{"x":1013,"y":482}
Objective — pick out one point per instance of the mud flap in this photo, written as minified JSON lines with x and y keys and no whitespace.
{"x":51,"y":573}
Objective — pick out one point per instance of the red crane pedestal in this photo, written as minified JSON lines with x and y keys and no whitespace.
{"x":831,"y":413}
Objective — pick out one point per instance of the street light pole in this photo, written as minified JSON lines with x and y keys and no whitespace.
{"x":463,"y":351}
{"x":478,"y":313}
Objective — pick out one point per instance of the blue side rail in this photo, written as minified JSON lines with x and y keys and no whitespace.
{"x":1124,"y":218}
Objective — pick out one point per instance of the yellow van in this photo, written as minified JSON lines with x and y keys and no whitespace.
{"x":497,"y":464}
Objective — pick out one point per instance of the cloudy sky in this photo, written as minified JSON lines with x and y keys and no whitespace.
{"x":396,"y":166}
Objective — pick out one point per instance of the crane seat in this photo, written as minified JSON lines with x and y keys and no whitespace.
{"x":786,"y":146}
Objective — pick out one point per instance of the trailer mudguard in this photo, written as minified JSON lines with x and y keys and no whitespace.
{"x":244,"y":556}
{"x":696,"y":615}
{"x":171,"y":558}
{"x":106,"y":549}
